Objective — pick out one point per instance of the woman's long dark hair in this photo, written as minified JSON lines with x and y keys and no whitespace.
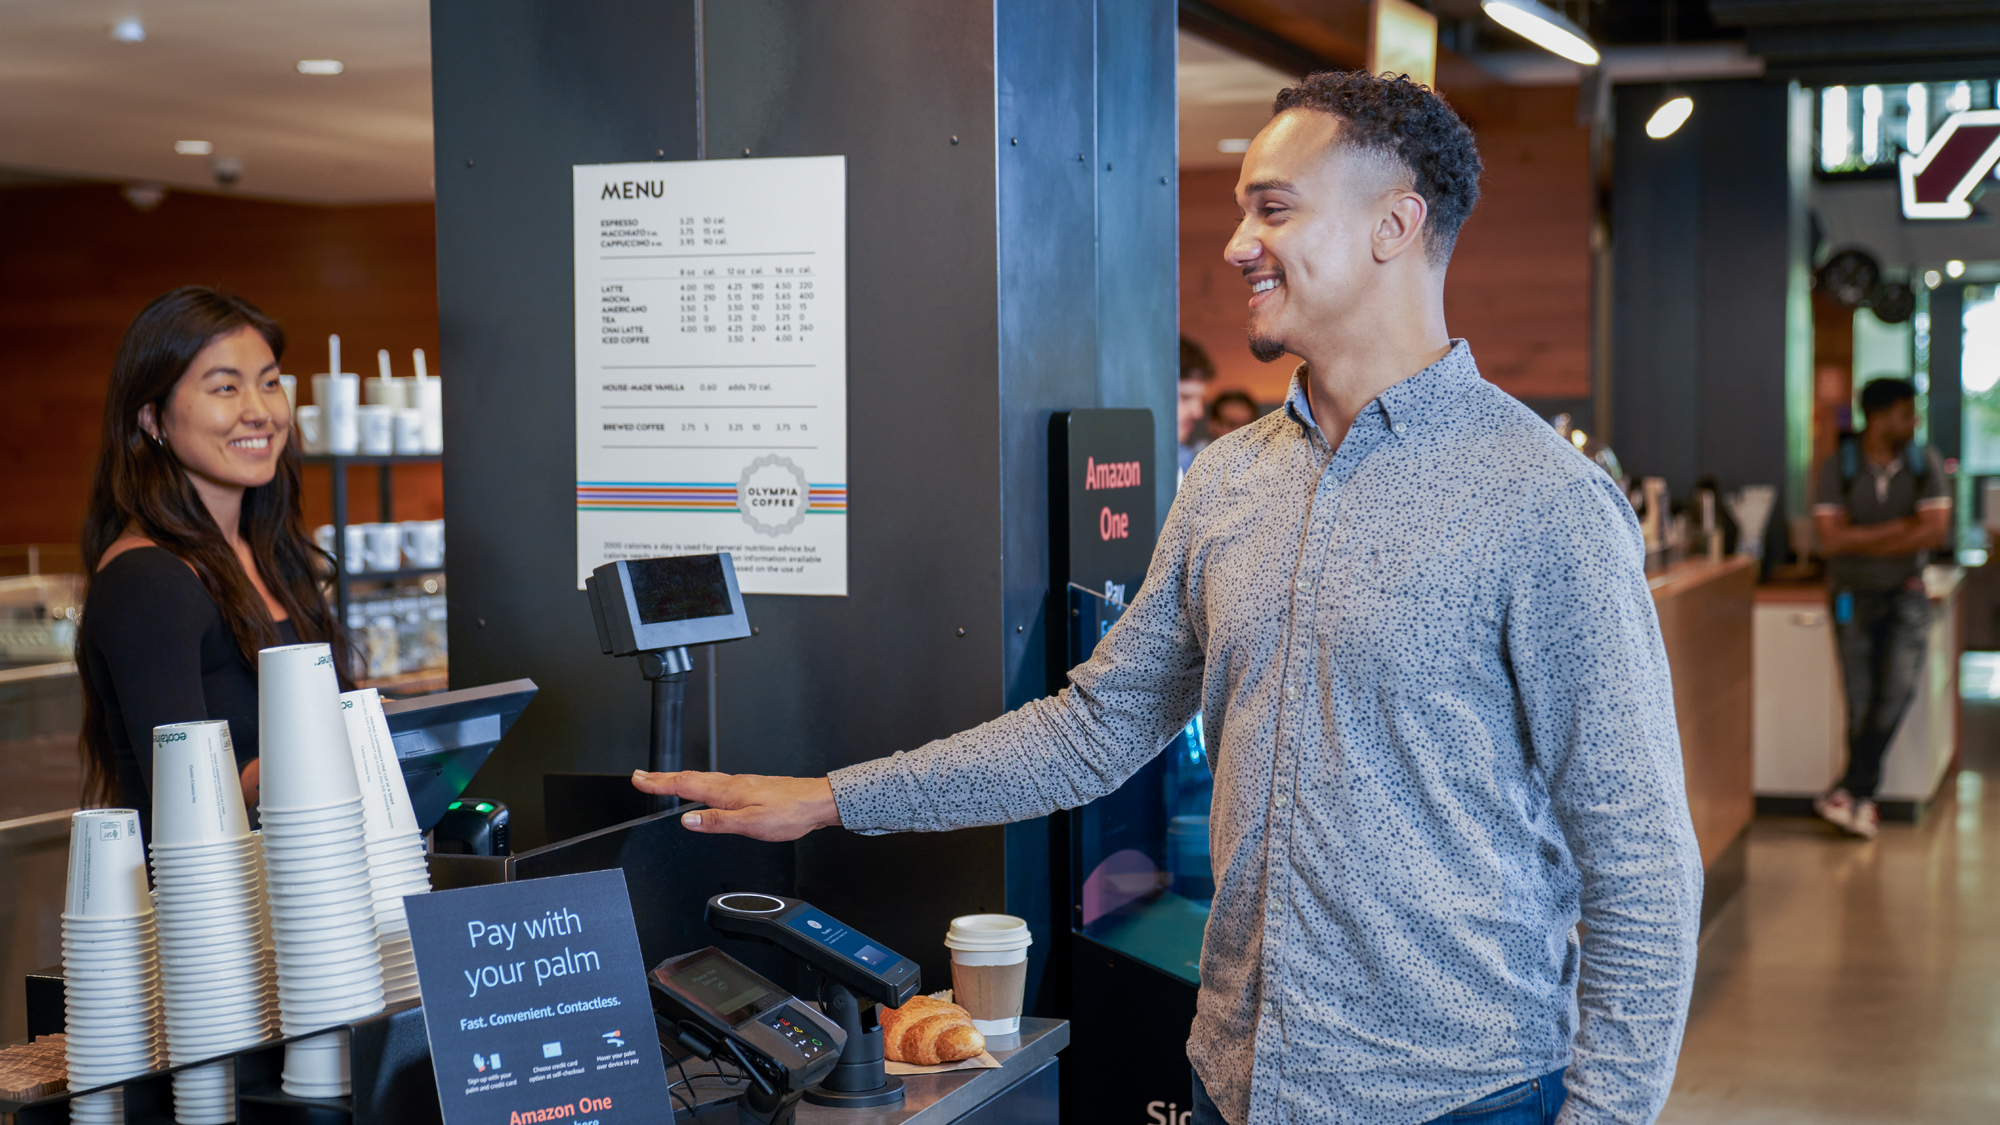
{"x":140,"y":486}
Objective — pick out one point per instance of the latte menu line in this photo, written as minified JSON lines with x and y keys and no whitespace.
{"x":711,"y":394}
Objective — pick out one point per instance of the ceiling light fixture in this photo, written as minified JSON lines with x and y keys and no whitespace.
{"x":1544,"y":27}
{"x":1672,"y":114}
{"x":129,"y":30}
{"x":1955,"y":268}
{"x":194,"y":148}
{"x":320,"y":66}
{"x":1233,"y":144}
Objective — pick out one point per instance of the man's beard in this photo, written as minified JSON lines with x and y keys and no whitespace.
{"x":1265,"y":348}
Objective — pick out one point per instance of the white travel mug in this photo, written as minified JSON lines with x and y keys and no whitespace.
{"x":409,"y":430}
{"x":341,"y":412}
{"x":311,"y":421}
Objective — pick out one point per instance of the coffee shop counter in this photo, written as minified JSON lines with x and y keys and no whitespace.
{"x":1023,"y":1091}
{"x":1801,"y":707}
{"x":1706,"y":610}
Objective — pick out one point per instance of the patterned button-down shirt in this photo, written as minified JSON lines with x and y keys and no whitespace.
{"x":1442,"y":731}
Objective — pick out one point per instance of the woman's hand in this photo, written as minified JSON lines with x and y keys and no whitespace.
{"x":251,"y":774}
{"x":762,"y":808}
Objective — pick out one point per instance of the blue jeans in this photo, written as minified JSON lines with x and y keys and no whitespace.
{"x":1534,"y":1102}
{"x":1884,"y":638}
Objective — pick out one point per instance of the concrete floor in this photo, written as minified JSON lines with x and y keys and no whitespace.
{"x":1856,"y":983}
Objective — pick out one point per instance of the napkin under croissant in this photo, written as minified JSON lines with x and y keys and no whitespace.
{"x":926,"y":1032}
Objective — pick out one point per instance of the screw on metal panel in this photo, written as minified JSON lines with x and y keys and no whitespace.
{"x":1163,"y":179}
{"x":659,"y":152}
{"x":468,"y":164}
{"x":481,"y":622}
{"x":1107,"y":166}
{"x":1079,"y":158}
{"x":753,"y":629}
{"x":746,"y":152}
{"x":954,"y":138}
{"x":1013,"y":140}
{"x":1020,"y":628}
{"x":961,"y":632}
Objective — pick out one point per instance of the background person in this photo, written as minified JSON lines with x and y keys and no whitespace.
{"x":1883,"y":503}
{"x":194,"y":544}
{"x":1419,"y":627}
{"x":1230,"y":412}
{"x":1197,"y":372}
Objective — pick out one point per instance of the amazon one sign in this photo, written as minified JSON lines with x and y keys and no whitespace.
{"x":1938,"y":182}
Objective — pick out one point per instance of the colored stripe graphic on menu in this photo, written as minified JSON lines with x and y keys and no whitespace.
{"x":687,"y":496}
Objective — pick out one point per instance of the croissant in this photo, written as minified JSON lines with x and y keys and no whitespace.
{"x":926,"y":1032}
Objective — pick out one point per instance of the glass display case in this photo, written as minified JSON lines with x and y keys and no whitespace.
{"x":1140,"y":860}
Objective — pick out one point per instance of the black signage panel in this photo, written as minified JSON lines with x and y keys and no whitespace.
{"x":536,"y":1003}
{"x":1101,"y":491}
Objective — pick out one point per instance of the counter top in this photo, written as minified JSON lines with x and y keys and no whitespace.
{"x":1941,"y":581}
{"x":1689,"y":573}
{"x":929,"y":1099}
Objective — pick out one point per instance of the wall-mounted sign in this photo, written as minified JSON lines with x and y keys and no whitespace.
{"x":1402,"y":39}
{"x":711,"y":367}
{"x":1938,"y":182}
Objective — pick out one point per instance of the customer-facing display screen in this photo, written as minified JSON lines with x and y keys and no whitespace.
{"x":840,"y":939}
{"x":716,"y":984}
{"x":679,"y":589}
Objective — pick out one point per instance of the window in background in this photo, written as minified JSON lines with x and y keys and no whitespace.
{"x":1863,"y":129}
{"x":1981,"y":381}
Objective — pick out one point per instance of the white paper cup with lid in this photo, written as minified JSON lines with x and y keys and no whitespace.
{"x":989,"y":969}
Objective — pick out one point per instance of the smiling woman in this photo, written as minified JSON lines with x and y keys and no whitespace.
{"x":194,"y":543}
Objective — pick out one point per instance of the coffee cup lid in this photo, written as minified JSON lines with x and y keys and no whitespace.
{"x":987,"y":933}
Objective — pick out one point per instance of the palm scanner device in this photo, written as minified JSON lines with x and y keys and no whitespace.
{"x":858,"y":974}
{"x":655,"y":609}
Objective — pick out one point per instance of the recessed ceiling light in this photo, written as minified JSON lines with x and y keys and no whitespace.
{"x":129,"y":31}
{"x":1233,"y":144}
{"x":320,"y":66}
{"x":194,"y":148}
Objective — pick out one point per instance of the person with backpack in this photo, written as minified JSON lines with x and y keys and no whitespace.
{"x":1883,"y":504}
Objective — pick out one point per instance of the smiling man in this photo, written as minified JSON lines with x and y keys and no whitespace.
{"x":1419,"y":627}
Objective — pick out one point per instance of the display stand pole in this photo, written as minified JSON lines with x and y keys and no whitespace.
{"x":667,"y":670}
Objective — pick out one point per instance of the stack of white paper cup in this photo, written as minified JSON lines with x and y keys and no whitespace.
{"x":989,"y":969}
{"x":397,"y":865}
{"x":338,"y":396}
{"x":322,"y":909}
{"x":216,"y":961}
{"x":111,"y":986}
{"x":427,"y":395}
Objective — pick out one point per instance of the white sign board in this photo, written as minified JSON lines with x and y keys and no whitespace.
{"x":711,"y":367}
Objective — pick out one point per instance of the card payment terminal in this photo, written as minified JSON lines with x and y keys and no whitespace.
{"x":713,"y":1004}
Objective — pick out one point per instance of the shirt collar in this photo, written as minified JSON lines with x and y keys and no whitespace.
{"x":1411,"y":402}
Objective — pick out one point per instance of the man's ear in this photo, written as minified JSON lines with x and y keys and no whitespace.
{"x":1399,"y":226}
{"x":149,"y":421}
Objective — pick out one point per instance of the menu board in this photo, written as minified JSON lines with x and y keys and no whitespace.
{"x":711,"y":367}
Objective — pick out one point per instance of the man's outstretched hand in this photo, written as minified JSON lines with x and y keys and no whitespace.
{"x":762,"y":808}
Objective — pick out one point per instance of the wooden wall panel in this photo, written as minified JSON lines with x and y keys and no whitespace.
{"x":1519,"y":284}
{"x":77,"y":262}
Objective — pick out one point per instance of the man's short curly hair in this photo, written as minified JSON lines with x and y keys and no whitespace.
{"x":1409,"y":124}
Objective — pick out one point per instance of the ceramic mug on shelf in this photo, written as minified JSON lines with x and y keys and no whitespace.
{"x":378,"y":429}
{"x":423,"y":543}
{"x":382,"y":543}
{"x":409,"y":430}
{"x":312,"y":429}
{"x":357,"y":545}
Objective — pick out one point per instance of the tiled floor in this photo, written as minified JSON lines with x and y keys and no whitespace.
{"x":1854,"y":982}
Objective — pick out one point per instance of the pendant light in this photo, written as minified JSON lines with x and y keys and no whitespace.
{"x":1544,"y":27}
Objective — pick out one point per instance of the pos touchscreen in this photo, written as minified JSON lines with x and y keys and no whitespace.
{"x":647,"y":605}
